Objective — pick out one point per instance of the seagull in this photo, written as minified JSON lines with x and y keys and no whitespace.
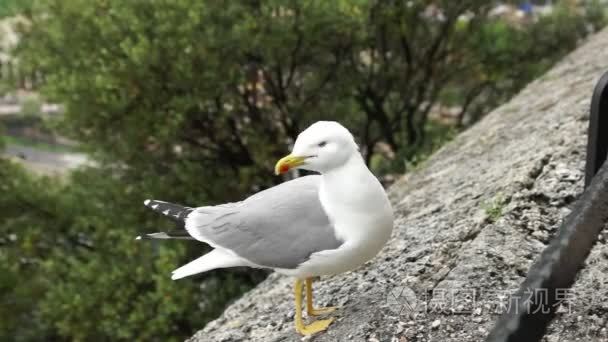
{"x":311,"y":226}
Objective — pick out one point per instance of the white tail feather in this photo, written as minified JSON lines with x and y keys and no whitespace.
{"x":217,"y":258}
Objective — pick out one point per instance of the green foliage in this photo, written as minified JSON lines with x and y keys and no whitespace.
{"x":2,"y":137}
{"x":190,"y":83}
{"x":510,"y":56}
{"x":68,"y":253}
{"x":9,"y":8}
{"x":192,"y":101}
{"x":494,"y":208}
{"x":76,"y":267}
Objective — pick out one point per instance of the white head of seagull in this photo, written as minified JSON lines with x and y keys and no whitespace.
{"x":323,"y":146}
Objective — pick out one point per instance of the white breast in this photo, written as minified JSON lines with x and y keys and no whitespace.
{"x":362,"y":216}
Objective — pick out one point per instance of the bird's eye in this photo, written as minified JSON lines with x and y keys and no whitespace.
{"x":322,"y":143}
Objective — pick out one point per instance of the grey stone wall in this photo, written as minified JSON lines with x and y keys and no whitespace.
{"x":469,"y":224}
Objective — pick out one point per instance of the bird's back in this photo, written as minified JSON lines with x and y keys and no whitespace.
{"x":279,"y":227}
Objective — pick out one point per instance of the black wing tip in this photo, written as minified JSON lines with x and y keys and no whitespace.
{"x":152,"y":236}
{"x":183,"y":235}
{"x":150,"y":202}
{"x":173,"y":211}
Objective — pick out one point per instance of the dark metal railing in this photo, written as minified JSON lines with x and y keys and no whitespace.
{"x":597,"y":143}
{"x":530,"y":314}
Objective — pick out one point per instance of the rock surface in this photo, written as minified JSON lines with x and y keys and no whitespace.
{"x":469,"y":223}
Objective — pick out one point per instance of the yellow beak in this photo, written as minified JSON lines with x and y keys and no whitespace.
{"x":288,"y":162}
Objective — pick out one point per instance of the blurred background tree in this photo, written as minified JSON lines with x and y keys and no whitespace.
{"x":193,"y":101}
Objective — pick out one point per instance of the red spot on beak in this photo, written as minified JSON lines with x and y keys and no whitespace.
{"x":284,"y":168}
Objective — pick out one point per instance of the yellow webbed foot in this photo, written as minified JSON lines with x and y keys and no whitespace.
{"x":314,"y":327}
{"x":320,"y":311}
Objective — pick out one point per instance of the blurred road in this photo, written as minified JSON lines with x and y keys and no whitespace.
{"x":47,"y":162}
{"x":12,"y":109}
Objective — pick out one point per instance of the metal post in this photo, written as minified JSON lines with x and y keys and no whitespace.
{"x":529,"y":315}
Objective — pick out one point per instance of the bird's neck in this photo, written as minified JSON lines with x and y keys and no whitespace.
{"x":356,"y":203}
{"x":348,"y":177}
{"x":354,"y":166}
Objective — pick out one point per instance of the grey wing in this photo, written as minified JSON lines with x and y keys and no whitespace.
{"x":279,"y":227}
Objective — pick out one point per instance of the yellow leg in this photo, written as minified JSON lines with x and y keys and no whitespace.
{"x":312,"y":328}
{"x":309,"y":308}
